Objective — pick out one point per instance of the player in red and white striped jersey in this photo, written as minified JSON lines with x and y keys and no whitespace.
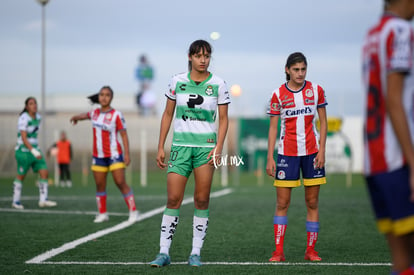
{"x":301,"y":149}
{"x":389,"y":128}
{"x":106,"y":126}
{"x":107,"y":152}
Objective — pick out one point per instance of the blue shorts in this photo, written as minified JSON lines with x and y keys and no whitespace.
{"x":288,"y":170}
{"x":107,"y":164}
{"x":390,"y":198}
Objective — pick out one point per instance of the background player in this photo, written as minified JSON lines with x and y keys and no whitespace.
{"x":107,"y":152}
{"x":63,"y":158}
{"x":389,"y":124}
{"x":28,"y":155}
{"x":300,"y":149}
{"x":195,"y":97}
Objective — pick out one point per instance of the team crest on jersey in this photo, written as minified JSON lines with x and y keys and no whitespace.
{"x":108,"y":118}
{"x":281,"y":175}
{"x":209,"y":90}
{"x":309,"y":93}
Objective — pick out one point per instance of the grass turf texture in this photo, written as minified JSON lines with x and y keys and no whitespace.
{"x":240,"y":230}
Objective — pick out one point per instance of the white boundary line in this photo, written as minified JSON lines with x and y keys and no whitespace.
{"x":222,"y":263}
{"x":67,"y":246}
{"x":77,"y":198}
{"x":60,"y":212}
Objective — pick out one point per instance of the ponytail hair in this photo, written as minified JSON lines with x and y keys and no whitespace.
{"x":26,"y":102}
{"x":94,"y":99}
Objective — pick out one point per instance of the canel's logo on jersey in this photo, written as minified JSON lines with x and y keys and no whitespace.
{"x":306,"y":110}
{"x":101,"y":126}
{"x":209,"y":90}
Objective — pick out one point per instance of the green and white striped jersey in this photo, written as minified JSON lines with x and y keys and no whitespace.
{"x":31,"y":127}
{"x":196,"y":109}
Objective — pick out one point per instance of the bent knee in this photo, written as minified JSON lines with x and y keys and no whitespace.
{"x":282,"y":206}
{"x":201,"y":203}
{"x":312,"y":204}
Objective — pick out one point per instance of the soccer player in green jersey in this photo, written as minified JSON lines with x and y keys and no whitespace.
{"x":28,"y":155}
{"x":193,"y":99}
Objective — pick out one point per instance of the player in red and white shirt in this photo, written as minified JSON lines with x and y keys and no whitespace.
{"x":301,"y":149}
{"x":106,"y":126}
{"x":107,"y":152}
{"x":389,"y":129}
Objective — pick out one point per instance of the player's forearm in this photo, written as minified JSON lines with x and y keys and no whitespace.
{"x":394,"y":105}
{"x":125,"y":141}
{"x":164,"y":129}
{"x":223,"y":126}
{"x":81,"y":116}
{"x":222,"y":132}
{"x":271,"y":139}
{"x":400,"y":125}
{"x":26,"y":142}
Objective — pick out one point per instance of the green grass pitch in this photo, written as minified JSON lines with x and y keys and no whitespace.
{"x":239,"y":239}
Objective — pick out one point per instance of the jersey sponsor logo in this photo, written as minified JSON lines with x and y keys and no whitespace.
{"x":182,"y":87}
{"x":185,"y":118}
{"x":209,"y":90}
{"x":289,"y":105}
{"x":288,"y":102}
{"x":309,"y":101}
{"x":194,"y":100}
{"x":282,"y":163}
{"x":306,"y":110}
{"x":101,"y":126}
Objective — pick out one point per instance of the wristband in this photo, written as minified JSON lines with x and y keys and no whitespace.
{"x":35,"y":152}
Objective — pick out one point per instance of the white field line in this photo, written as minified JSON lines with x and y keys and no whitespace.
{"x":78,"y":198}
{"x":67,"y":246}
{"x":221,"y":263}
{"x":60,"y":212}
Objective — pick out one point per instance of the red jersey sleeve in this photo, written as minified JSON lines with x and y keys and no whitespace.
{"x":321,"y":97}
{"x":274,"y":106}
{"x":120,"y":122}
